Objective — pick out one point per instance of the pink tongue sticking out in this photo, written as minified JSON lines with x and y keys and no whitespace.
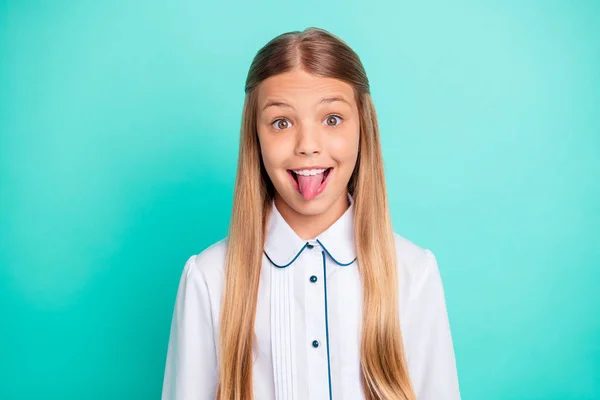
{"x":309,"y":185}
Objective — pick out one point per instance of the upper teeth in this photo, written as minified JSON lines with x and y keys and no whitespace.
{"x":308,"y":172}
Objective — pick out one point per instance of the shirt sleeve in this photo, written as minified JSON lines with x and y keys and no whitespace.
{"x":191,"y":366}
{"x":430,"y":350}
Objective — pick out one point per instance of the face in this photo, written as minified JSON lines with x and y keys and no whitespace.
{"x":308,"y":128}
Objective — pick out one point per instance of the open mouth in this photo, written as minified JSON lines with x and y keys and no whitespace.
{"x":310,"y":189}
{"x":295,"y":176}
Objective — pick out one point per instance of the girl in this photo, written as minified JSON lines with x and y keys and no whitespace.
{"x":311,"y":295}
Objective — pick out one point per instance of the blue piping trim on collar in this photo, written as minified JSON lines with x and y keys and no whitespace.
{"x":336,"y":261}
{"x":290,"y":263}
{"x":301,"y":250}
{"x":327,"y":323}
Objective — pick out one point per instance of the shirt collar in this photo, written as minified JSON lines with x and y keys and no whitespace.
{"x":283,"y":245}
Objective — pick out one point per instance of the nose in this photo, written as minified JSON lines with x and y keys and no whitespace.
{"x":308,"y":142}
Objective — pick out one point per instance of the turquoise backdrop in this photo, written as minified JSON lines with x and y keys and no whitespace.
{"x":119,"y":124}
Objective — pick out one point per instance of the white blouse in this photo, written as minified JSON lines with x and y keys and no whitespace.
{"x":308,"y":320}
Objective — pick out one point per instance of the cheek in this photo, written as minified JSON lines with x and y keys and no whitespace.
{"x":272,"y":152}
{"x":267,"y":158}
{"x":344,"y":148}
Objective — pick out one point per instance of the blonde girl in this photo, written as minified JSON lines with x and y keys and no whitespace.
{"x":311,"y":295}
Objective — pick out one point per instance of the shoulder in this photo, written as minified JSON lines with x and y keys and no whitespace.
{"x":209,"y":264}
{"x":413,"y":256}
{"x":409,"y":251}
{"x":415,"y":263}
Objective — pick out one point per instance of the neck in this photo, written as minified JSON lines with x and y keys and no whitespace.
{"x":310,"y":226}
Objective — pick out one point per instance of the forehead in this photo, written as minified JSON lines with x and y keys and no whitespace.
{"x":302,"y":87}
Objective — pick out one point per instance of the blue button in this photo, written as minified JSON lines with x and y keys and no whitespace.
{"x":310,"y":246}
{"x":315,"y":343}
{"x":313,"y":279}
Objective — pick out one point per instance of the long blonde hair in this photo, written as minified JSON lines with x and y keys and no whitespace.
{"x":384,"y":371}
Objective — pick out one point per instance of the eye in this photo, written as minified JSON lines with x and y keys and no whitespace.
{"x":279,"y":126}
{"x":332,"y":118}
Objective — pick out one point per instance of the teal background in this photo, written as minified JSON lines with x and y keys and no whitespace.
{"x":119,"y":124}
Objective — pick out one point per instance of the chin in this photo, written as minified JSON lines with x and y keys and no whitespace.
{"x":312,"y":207}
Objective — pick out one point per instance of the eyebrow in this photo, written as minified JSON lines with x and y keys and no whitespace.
{"x":325,"y":100}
